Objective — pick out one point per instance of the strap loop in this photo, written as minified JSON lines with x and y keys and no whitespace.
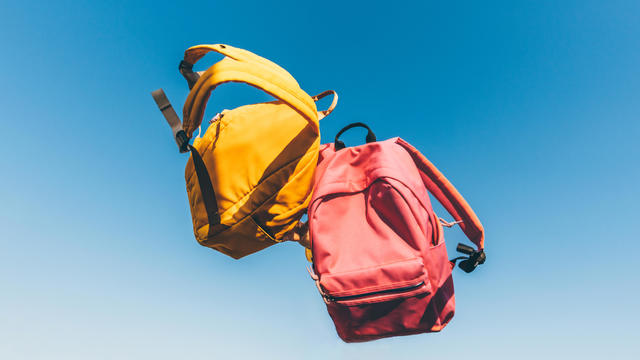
{"x":323,"y":113}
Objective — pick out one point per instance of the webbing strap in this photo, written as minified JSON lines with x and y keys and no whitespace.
{"x":172,"y":118}
{"x":448,"y":196}
{"x":246,"y":67}
{"x":167,"y":110}
{"x":204,"y":181}
{"x":206,"y":187}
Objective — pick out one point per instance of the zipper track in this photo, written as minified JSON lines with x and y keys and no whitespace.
{"x":381,"y":292}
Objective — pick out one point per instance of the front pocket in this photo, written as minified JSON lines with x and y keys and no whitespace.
{"x":382,"y":295}
{"x":374,"y":284}
{"x":365,"y":229}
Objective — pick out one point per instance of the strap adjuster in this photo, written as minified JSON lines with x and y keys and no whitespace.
{"x":172,"y":118}
{"x":186,"y":69}
{"x":185,"y":65}
{"x":475,"y":258}
{"x":183,"y":141}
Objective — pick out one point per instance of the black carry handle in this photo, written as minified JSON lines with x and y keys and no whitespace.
{"x":371,"y":137}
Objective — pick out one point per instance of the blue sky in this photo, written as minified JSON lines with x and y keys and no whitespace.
{"x":531,"y":108}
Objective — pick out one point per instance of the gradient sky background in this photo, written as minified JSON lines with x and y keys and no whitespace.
{"x":531,"y":108}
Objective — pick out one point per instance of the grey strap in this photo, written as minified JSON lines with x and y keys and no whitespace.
{"x":172,"y":118}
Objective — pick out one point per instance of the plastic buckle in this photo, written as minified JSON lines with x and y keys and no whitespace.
{"x":186,"y":69}
{"x":185,"y":66}
{"x":183,"y":141}
{"x":475,"y":258}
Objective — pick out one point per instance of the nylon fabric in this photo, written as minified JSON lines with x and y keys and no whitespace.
{"x":378,"y":250}
{"x":167,"y":110}
{"x":448,"y":196}
{"x":239,"y":66}
{"x":260,"y":158}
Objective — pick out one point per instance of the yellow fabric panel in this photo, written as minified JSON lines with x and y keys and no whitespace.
{"x":195,"y":53}
{"x":228,"y":70}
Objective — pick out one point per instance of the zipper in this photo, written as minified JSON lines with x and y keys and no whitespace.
{"x":216,"y":118}
{"x":373,"y":293}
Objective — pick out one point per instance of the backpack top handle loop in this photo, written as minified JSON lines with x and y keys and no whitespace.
{"x":338,"y":144}
{"x":323,"y":113}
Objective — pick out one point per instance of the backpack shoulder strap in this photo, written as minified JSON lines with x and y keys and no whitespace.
{"x":245,"y":67}
{"x":448,"y":196}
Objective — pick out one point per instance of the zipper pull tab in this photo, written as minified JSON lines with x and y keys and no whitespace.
{"x":316,"y":280}
{"x":312,"y":274}
{"x":216,"y":118}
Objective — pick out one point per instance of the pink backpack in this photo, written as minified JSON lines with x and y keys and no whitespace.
{"x":379,"y":257}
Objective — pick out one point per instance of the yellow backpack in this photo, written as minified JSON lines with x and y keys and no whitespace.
{"x":249,"y":178}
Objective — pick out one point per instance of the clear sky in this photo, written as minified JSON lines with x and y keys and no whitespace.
{"x":531,"y":108}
